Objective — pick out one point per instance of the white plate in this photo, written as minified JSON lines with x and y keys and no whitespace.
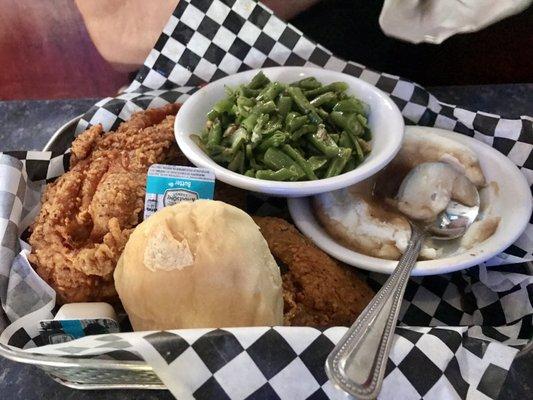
{"x":385,"y":121}
{"x":513,"y":205}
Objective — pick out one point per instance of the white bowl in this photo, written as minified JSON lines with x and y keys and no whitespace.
{"x":385,"y":121}
{"x":513,"y":204}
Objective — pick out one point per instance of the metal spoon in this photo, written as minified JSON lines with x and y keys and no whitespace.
{"x":357,"y":363}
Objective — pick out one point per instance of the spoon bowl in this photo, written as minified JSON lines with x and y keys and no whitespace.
{"x":453,"y":222}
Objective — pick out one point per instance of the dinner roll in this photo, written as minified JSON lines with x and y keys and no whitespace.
{"x":199,"y":264}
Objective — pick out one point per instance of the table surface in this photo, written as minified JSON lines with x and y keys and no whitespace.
{"x":27,"y":125}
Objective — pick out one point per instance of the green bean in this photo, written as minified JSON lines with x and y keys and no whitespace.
{"x":257,"y":131}
{"x":362,"y":120}
{"x":229,"y":130}
{"x":323,"y":135}
{"x":218,"y":149}
{"x":304,"y":130}
{"x":245,"y":101}
{"x":199,"y":142}
{"x":248,"y":150}
{"x":308,"y":148}
{"x":358,"y":151}
{"x":303,"y":104}
{"x":337,"y":164}
{"x":215,"y":134}
{"x":251,"y":159}
{"x":271,"y":127}
{"x":302,"y":162}
{"x":307,"y":83}
{"x":222,"y":157}
{"x":237,"y":164}
{"x":277,"y":159}
{"x":265,"y":108}
{"x":239,"y":137}
{"x":332,"y":87}
{"x":247,"y":92}
{"x":329,"y":150}
{"x":350,"y":165}
{"x":276,"y":140}
{"x":344,"y":140}
{"x":250,"y":173}
{"x":221,"y":154}
{"x":348,"y":122}
{"x":322,"y":113}
{"x":258,"y":81}
{"x":205,"y":133}
{"x":283,"y":174}
{"x":317,"y":162}
{"x":270,"y":91}
{"x":328,"y":105}
{"x":365,"y":146}
{"x":290,"y":117}
{"x":343,"y":96}
{"x":284,"y":106}
{"x":350,"y":105}
{"x":249,"y":122}
{"x":323,"y":98}
{"x":334,"y":137}
{"x":212,"y":115}
{"x":226,"y":119}
{"x":224,"y":105}
{"x":241,"y":112}
{"x":296,"y":123}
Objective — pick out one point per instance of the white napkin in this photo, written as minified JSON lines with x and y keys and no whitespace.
{"x":433,"y":21}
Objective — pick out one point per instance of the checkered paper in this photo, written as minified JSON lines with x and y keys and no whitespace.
{"x":458,"y":333}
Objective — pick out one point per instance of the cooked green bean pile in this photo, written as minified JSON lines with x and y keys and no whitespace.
{"x":302,"y":131}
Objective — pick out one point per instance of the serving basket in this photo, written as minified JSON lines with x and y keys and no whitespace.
{"x":90,"y":373}
{"x":87,"y":373}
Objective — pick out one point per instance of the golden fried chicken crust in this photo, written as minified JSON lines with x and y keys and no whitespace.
{"x":317,"y":290}
{"x":88,"y":213}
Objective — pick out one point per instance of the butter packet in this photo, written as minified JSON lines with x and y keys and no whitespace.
{"x":61,"y":331}
{"x":76,"y":320}
{"x":170,"y":184}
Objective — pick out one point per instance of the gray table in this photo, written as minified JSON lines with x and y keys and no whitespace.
{"x":26,"y":125}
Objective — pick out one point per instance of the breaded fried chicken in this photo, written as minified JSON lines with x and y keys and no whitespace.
{"x":317,"y":290}
{"x":89,"y":212}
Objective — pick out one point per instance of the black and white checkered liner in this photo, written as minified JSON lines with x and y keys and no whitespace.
{"x":459,"y":333}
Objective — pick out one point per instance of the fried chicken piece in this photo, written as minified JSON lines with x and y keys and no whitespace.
{"x":230,"y":194}
{"x":89,"y":212}
{"x":317,"y":290}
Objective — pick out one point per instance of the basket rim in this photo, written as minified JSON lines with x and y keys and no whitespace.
{"x":26,"y":357}
{"x":60,"y":131}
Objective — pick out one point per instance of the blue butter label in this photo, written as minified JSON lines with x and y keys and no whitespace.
{"x":170,"y":184}
{"x":61,"y":331}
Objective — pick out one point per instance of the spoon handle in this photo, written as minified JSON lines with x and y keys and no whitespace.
{"x":357,"y":364}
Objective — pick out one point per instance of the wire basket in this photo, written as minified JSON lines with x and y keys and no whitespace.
{"x":85,"y":373}
{"x":88,"y":373}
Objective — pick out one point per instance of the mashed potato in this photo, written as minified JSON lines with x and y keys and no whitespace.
{"x":366,"y":217}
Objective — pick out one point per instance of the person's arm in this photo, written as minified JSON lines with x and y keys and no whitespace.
{"x":124,"y":31}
